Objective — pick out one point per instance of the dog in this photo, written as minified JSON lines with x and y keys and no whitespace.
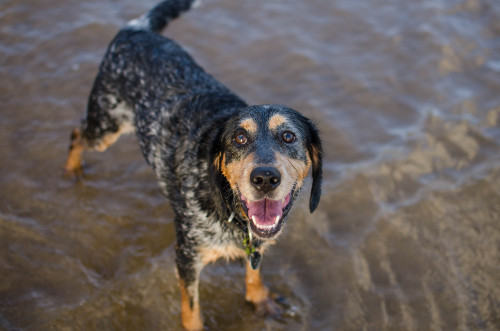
{"x":230,"y":171}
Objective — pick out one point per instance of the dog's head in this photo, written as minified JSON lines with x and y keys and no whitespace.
{"x":263,"y":155}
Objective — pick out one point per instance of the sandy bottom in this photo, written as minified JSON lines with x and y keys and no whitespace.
{"x":407,"y":234}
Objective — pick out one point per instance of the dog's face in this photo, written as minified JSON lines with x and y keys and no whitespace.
{"x":265,"y":153}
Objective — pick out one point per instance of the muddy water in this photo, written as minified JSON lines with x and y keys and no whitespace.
{"x":406,"y":237}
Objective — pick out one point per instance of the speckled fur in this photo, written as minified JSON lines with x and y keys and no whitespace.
{"x":184,"y":120}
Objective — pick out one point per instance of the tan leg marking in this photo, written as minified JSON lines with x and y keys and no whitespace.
{"x":73,"y":164}
{"x":108,"y":140}
{"x":191,"y":314}
{"x":256,"y":292}
{"x":259,"y":295}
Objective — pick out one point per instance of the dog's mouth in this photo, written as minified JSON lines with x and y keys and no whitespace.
{"x":266,"y":216}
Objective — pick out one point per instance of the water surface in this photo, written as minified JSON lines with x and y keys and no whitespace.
{"x":407,"y":234}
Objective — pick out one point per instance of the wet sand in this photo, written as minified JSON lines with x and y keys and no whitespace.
{"x":407,"y":234}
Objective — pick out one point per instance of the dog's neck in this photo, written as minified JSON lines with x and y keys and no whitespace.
{"x":251,"y":244}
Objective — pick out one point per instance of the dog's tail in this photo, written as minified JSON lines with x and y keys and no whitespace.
{"x":159,"y":17}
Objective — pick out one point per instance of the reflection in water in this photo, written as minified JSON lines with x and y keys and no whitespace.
{"x":406,"y":235}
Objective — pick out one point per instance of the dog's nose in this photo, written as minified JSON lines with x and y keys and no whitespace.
{"x":265,"y":179}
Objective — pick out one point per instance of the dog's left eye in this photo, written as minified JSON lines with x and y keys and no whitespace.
{"x":240,"y":138}
{"x":288,"y":137}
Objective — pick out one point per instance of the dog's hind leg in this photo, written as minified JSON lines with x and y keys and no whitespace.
{"x":107,"y":118}
{"x":74,"y":164}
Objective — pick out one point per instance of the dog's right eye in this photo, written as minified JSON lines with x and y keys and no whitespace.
{"x":240,"y":138}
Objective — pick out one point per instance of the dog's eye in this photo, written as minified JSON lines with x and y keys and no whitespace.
{"x":240,"y":138}
{"x":288,"y":137}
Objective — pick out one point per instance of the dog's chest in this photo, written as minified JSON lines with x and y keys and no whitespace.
{"x":213,"y":253}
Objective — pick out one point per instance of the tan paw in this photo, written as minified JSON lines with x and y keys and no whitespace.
{"x":269,"y":306}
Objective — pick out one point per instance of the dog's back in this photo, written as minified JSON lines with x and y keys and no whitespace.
{"x":144,"y":78}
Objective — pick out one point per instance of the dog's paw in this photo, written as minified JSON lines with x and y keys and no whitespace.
{"x":269,"y":306}
{"x":74,"y":165}
{"x":75,"y":173}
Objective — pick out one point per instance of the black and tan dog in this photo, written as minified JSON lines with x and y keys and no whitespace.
{"x":230,"y":171}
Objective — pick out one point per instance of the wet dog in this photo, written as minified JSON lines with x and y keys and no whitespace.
{"x":230,"y":171}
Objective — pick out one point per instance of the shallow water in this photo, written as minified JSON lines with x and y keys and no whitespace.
{"x":407,"y":234}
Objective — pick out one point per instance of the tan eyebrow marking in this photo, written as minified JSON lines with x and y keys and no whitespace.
{"x":276,"y":120}
{"x":249,"y":125}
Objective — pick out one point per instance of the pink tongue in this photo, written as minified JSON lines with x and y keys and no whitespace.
{"x":265,"y":211}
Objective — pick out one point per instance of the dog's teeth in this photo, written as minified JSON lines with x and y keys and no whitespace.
{"x":265,"y":227}
{"x":283,"y":200}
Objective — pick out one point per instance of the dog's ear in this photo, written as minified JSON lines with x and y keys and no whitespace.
{"x":316,"y":154}
{"x":223,"y":189}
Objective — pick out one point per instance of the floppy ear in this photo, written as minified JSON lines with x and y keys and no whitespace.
{"x":316,"y":154}
{"x":223,"y":189}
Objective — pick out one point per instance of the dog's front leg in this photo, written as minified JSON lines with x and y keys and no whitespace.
{"x":191,"y":313}
{"x":189,"y":271}
{"x":258,"y":294}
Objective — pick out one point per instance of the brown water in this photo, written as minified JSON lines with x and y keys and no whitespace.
{"x":406,"y":237}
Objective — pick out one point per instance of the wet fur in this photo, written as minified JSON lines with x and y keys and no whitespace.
{"x":185,"y":121}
